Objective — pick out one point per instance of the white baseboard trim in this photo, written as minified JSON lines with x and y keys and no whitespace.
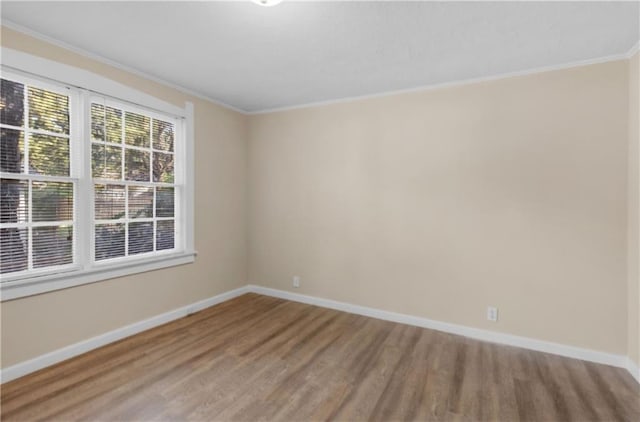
{"x":633,"y":369}
{"x":476,"y":333}
{"x":51,"y":358}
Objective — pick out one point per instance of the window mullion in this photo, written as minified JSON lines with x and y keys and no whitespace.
{"x":81,"y":125}
{"x":29,"y":229}
{"x":126,"y":219}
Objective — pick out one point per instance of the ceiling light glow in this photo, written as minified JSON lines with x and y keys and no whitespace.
{"x":267,"y":3}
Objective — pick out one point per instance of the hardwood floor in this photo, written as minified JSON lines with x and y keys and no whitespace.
{"x":260,"y":358}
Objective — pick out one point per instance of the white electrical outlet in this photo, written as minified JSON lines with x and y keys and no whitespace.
{"x":492,"y":313}
{"x":296,"y":281}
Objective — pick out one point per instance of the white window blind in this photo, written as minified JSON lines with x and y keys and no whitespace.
{"x":37,"y":187}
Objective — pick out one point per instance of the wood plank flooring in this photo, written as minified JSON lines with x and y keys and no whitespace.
{"x":261,"y":358}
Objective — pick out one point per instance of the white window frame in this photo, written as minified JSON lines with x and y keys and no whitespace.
{"x":84,"y":270}
{"x":177,"y":185}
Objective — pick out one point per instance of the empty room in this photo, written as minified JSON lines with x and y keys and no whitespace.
{"x":281,"y":210}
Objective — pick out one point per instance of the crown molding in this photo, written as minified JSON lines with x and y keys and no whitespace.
{"x":35,"y":34}
{"x":633,"y":50}
{"x":82,"y":52}
{"x":424,"y":88}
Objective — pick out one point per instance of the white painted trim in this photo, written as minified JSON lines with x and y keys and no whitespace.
{"x":475,"y":333}
{"x":633,"y":50}
{"x":83,"y":79}
{"x":79,"y":348}
{"x":48,"y":359}
{"x":633,"y":369}
{"x":188,"y":208}
{"x":76,"y":277}
{"x":38,"y":35}
{"x":444,"y":85}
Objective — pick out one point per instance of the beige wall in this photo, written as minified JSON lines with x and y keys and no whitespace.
{"x":634,"y":211}
{"x":39,"y":324}
{"x":509,"y":193}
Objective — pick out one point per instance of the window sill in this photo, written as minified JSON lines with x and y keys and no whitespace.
{"x":47,"y":283}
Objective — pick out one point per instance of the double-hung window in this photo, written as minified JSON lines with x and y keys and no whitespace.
{"x":91,"y":186}
{"x":39,"y":178}
{"x":134,"y":189}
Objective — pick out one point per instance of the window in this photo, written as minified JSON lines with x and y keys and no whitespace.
{"x":132,"y":166}
{"x":38,"y":182}
{"x":92,"y":187}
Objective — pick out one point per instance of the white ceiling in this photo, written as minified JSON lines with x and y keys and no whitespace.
{"x":256,"y":58}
